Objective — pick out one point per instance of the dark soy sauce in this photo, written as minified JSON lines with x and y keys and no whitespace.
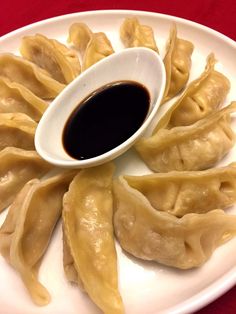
{"x":105,"y":119}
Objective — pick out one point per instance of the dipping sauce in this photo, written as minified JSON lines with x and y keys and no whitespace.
{"x":105,"y":119}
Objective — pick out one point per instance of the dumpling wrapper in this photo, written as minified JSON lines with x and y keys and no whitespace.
{"x":80,"y":35}
{"x":69,"y":264}
{"x":58,"y":60}
{"x":27,"y":230}
{"x":17,"y":130}
{"x":134,"y":34}
{"x":180,"y":193}
{"x":88,"y":230}
{"x":177,"y":63}
{"x":98,"y":48}
{"x":202,"y":97}
{"x":15,"y":97}
{"x":18,"y":166}
{"x":149,"y":234}
{"x":195,"y":147}
{"x":93,"y":47}
{"x":24,"y":72}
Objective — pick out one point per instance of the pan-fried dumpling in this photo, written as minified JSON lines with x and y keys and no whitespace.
{"x":88,"y":230}
{"x":180,"y":193}
{"x":31,"y":76}
{"x":61,"y":62}
{"x":202,"y":96}
{"x":17,"y":167}
{"x":26,"y":232}
{"x":93,"y":47}
{"x":15,"y":97}
{"x":195,"y":147}
{"x":17,"y":130}
{"x":134,"y":34}
{"x":149,"y":234}
{"x":80,"y":35}
{"x":177,"y":63}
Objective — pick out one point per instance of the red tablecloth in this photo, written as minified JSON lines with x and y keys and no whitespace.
{"x":217,"y":14}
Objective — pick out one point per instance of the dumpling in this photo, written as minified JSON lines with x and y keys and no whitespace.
{"x":17,"y":167}
{"x":180,"y":193}
{"x":15,"y":97}
{"x":31,"y":76}
{"x":177,"y":63}
{"x":134,"y":34}
{"x":93,"y":47}
{"x":17,"y":130}
{"x":202,"y":97}
{"x":61,"y":62}
{"x":195,"y":147}
{"x":27,"y":230}
{"x":69,"y":264}
{"x":98,"y":48}
{"x":149,"y":234}
{"x":88,"y":230}
{"x":80,"y":35}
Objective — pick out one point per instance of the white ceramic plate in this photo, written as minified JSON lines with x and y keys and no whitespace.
{"x":145,"y":287}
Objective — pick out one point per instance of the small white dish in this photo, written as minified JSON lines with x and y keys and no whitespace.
{"x":140,"y":65}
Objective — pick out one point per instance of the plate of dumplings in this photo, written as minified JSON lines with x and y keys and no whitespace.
{"x":152,"y":231}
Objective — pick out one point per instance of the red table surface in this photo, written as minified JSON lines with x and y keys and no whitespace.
{"x":217,"y":14}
